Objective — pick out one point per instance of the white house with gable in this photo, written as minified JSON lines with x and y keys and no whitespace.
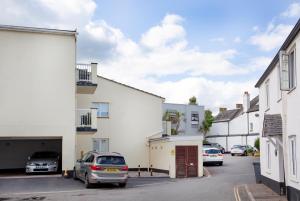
{"x":239,"y":126}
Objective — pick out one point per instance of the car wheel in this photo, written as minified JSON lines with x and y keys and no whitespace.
{"x":122,"y":185}
{"x":232,"y":154}
{"x":74,"y":175}
{"x":221,"y":163}
{"x":87,"y":182}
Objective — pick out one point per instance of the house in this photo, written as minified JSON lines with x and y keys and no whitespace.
{"x":279,"y":122}
{"x":190,"y":118}
{"x":50,"y":103}
{"x":239,"y":126}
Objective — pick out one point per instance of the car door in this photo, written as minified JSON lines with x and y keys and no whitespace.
{"x":87,"y":163}
{"x":81,"y":165}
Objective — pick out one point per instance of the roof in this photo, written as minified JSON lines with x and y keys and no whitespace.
{"x":254,"y":105}
{"x":284,"y":46}
{"x":131,"y":87}
{"x":37,"y":30}
{"x":227,"y":115}
{"x":272,"y":125}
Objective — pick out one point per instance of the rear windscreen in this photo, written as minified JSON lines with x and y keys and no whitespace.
{"x":212,"y":151}
{"x":111,"y":160}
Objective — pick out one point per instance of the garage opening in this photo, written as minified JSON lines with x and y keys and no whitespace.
{"x":16,"y":152}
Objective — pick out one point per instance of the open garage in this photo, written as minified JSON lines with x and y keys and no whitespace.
{"x":14,"y":152}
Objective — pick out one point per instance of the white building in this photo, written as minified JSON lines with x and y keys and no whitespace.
{"x":239,"y":126}
{"x":191,"y":117}
{"x":279,"y":98}
{"x":50,"y":103}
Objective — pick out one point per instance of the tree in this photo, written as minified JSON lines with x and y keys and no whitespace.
{"x":207,"y":122}
{"x":193,"y":101}
{"x":256,"y":144}
{"x":175,"y":118}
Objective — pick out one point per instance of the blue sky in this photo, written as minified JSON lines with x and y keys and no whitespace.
{"x":212,"y":49}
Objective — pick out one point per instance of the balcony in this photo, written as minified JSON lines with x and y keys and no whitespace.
{"x":86,"y":78}
{"x":86,"y":120}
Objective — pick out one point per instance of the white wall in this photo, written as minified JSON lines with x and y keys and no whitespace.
{"x":133,"y":116}
{"x":37,"y":87}
{"x":219,"y":128}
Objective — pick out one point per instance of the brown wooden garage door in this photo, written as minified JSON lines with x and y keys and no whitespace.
{"x":186,"y":161}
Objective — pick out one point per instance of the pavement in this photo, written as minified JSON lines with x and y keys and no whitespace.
{"x":219,"y":186}
{"x":257,"y":192}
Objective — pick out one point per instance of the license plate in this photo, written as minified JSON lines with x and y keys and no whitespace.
{"x":213,"y":155}
{"x":111,"y":170}
{"x":40,"y":167}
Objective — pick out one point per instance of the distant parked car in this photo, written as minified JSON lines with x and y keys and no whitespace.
{"x":43,"y":161}
{"x":95,"y":167}
{"x":212,"y":155}
{"x":239,"y":150}
{"x":216,"y":145}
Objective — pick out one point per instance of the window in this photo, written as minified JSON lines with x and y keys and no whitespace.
{"x":279,"y":95}
{"x":90,"y":159}
{"x":194,"y":118}
{"x":293,"y":156}
{"x":267,"y":94}
{"x":268,"y":155}
{"x":111,"y":160}
{"x":101,"y":144}
{"x":102,"y":109}
{"x":251,"y":127}
{"x":292,"y":70}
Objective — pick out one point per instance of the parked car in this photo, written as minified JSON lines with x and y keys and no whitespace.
{"x":216,"y":145}
{"x":212,"y":155}
{"x":95,"y":167}
{"x":43,"y":161}
{"x":239,"y":150}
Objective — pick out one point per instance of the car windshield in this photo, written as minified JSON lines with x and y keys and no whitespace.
{"x":111,"y":160}
{"x":45,"y":154}
{"x":237,"y":147}
{"x":212,"y":151}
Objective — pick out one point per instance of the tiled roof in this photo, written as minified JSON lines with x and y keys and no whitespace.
{"x":254,"y":105}
{"x":272,"y":125}
{"x":227,"y":115}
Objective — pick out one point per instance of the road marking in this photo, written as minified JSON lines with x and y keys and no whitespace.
{"x":236,"y":193}
{"x":249,"y":193}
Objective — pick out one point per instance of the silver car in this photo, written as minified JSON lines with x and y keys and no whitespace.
{"x":44,"y":161}
{"x":95,"y":168}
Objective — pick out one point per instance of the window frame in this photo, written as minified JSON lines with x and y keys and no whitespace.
{"x":100,"y":143}
{"x":292,"y":71}
{"x":97,"y":105}
{"x":293,"y":170}
{"x":251,"y":127}
{"x":267,"y":91}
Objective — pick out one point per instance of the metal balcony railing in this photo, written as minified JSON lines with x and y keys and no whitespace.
{"x":83,"y":73}
{"x":84,"y":117}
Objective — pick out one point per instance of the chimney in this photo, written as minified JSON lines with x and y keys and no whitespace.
{"x":239,"y":106}
{"x":246,"y":101}
{"x":222,"y":109}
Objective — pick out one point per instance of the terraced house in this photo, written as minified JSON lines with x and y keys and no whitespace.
{"x":279,"y":96}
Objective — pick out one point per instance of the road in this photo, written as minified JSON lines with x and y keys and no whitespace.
{"x":219,"y":186}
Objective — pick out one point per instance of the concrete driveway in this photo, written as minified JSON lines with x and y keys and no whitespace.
{"x":220,"y":186}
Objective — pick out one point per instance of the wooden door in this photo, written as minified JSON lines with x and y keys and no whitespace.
{"x":186,"y":161}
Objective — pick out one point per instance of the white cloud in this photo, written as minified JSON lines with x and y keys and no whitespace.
{"x":272,"y":38}
{"x":292,"y":11}
{"x":237,"y":39}
{"x":162,"y":51}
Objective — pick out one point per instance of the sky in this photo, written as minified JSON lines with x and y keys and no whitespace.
{"x":212,"y":49}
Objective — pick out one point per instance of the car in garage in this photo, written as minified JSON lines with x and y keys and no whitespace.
{"x":212,"y":155}
{"x":240,"y":150}
{"x":96,"y":168}
{"x":43,"y":161}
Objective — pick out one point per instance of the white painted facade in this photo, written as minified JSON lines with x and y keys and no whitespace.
{"x":286,"y":104}
{"x":37,"y":87}
{"x":133,"y":116}
{"x":241,"y":129}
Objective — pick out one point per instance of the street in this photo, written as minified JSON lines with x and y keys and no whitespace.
{"x":219,"y":186}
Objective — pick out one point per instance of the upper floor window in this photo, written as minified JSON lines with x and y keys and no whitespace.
{"x":292,"y":70}
{"x":293,"y":156}
{"x":194,"y":118}
{"x":251,"y":127}
{"x":267,"y":85}
{"x":102,"y":109}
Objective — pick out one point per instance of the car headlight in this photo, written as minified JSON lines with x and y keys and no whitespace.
{"x":53,"y":163}
{"x":30,"y":163}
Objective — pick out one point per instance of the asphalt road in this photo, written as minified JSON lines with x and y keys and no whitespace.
{"x":219,"y":186}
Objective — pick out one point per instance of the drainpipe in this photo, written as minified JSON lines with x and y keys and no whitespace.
{"x":248,"y":131}
{"x":227,"y":136}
